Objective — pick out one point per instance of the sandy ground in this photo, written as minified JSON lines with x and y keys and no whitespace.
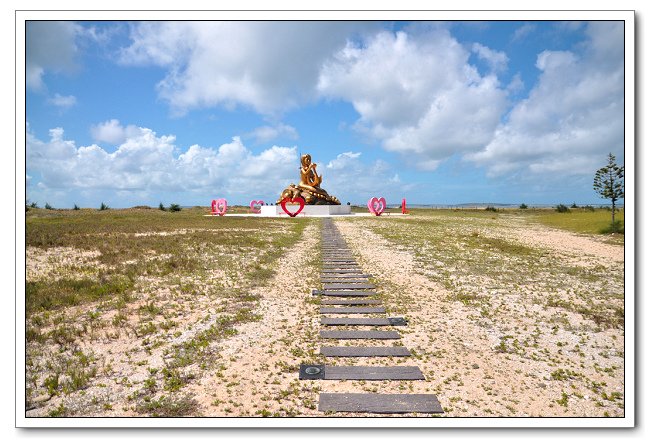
{"x":41,"y":264}
{"x":456,"y":348}
{"x":566,"y":243}
{"x":453,"y":345}
{"x":260,"y":363}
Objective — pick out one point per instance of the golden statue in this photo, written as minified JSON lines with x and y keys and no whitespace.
{"x":309,"y":178}
{"x":309,"y":186}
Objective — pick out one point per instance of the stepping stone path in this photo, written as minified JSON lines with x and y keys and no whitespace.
{"x":345,"y":284}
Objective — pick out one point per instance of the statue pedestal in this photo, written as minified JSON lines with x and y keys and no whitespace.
{"x":309,"y":210}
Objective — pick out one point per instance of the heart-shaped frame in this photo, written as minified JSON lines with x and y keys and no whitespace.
{"x":219,"y":206}
{"x":254,"y":204}
{"x":377,"y":206}
{"x":298,"y":199}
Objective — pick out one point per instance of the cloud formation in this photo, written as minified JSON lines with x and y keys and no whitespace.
{"x":497,"y":60}
{"x":265,"y":134}
{"x":113,"y":132}
{"x":268,"y":66}
{"x":572,"y":115}
{"x":62,"y":101}
{"x":352,"y":179}
{"x":147,"y":166}
{"x":49,"y":46}
{"x":418,"y":94}
{"x":523,"y":31}
{"x":146,"y":162}
{"x":415,"y":91}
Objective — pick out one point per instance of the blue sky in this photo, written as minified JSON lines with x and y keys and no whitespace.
{"x":132,"y":113}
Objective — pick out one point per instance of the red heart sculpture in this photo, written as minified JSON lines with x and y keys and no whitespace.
{"x":377,"y":206}
{"x":299,"y":200}
{"x":219,"y":206}
{"x":255,"y":204}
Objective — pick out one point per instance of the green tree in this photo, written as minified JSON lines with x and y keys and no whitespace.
{"x":609,"y":182}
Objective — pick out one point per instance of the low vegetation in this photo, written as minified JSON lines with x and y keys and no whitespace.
{"x":549,"y":304}
{"x":142,"y":313}
{"x":139,"y":300}
{"x":587,"y":220}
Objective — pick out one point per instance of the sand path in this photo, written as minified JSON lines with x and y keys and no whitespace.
{"x":259,"y":376}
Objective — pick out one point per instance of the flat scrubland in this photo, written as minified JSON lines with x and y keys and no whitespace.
{"x":141,"y":312}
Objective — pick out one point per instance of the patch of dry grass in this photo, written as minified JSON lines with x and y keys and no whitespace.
{"x":517,"y":319}
{"x":151,"y":303}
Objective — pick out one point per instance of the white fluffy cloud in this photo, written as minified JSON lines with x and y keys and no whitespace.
{"x":351,"y":179}
{"x":269,"y":66}
{"x":55,"y":47}
{"x":418,"y":94}
{"x":147,"y":167}
{"x":415,"y":92}
{"x":113,"y":132}
{"x":62,"y":101}
{"x":49,"y":46}
{"x":573,"y":114}
{"x":497,"y":60}
{"x":146,"y":163}
{"x":523,"y":31}
{"x":343,"y":160}
{"x":265,"y":134}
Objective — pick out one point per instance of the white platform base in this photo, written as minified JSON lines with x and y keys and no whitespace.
{"x":309,"y":210}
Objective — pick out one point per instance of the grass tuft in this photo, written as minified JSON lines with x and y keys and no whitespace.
{"x":168,"y":406}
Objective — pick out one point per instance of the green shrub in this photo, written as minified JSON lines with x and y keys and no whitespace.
{"x":60,"y":411}
{"x":168,"y":406}
{"x":523,"y":206}
{"x":33,"y":205}
{"x":76,"y":207}
{"x":161,"y":207}
{"x":48,"y":206}
{"x":174,"y":208}
{"x":574,"y":205}
{"x":589,"y":207}
{"x":489,"y":208}
{"x":614,"y":227}
{"x":562,"y":208}
{"x":51,"y":383}
{"x":103,"y":206}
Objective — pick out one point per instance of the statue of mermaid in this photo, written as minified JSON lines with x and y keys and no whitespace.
{"x":309,"y":186}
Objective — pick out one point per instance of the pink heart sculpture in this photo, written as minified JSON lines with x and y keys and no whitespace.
{"x":377,"y":206}
{"x":299,"y":200}
{"x":256,"y":206}
{"x":219,"y":206}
